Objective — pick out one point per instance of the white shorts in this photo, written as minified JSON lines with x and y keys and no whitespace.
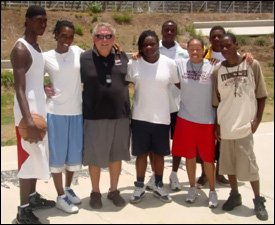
{"x":36,"y":164}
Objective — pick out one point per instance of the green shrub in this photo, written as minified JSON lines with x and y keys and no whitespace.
{"x":7,"y":79}
{"x":94,"y":7}
{"x":270,"y":64}
{"x":260,"y":41}
{"x":79,"y":29}
{"x":192,"y":32}
{"x":124,"y":17}
{"x":95,"y":18}
{"x":243,"y":40}
{"x":91,"y":29}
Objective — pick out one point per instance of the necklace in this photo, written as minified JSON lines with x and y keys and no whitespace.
{"x":196,"y":72}
{"x":235,"y":75}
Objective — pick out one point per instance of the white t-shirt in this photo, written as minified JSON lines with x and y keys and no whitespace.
{"x":151,"y":98}
{"x":174,"y":52}
{"x":218,"y":56}
{"x":64,"y":72}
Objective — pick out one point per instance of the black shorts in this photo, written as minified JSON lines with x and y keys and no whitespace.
{"x":173,"y":118}
{"x":150,"y":137}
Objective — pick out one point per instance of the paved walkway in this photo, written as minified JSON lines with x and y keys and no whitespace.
{"x":151,"y":210}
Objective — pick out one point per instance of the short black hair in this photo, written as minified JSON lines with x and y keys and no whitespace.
{"x":231,"y":36}
{"x":35,"y":10}
{"x":144,"y":35}
{"x":169,"y":21}
{"x":62,"y":23}
{"x":217,"y":28}
{"x":198,"y":39}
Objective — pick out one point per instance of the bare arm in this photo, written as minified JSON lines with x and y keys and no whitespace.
{"x":21,"y":61}
{"x":260,"y":109}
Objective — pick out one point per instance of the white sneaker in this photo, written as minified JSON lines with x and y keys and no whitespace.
{"x":192,"y":195}
{"x":151,"y":186}
{"x":174,"y":182}
{"x":160,"y":193}
{"x":72,"y":196}
{"x":66,"y":205}
{"x":138,"y":194}
{"x":213,"y":199}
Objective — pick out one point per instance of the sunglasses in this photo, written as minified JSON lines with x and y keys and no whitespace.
{"x":102,"y":36}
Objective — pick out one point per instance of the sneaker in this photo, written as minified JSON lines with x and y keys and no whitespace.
{"x":192,"y":195}
{"x":139,"y":193}
{"x":160,"y":193}
{"x":150,"y":186}
{"x":26,"y":216}
{"x":37,"y":202}
{"x":174,"y":182}
{"x":259,"y":208}
{"x":72,"y":196}
{"x":232,"y":202}
{"x":201,"y":181}
{"x":116,"y":198}
{"x":95,"y":200}
{"x":66,"y":205}
{"x":213,"y":199}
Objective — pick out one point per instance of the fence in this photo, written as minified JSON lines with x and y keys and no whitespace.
{"x":155,"y":6}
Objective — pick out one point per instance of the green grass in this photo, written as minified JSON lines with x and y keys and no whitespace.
{"x":7,"y":106}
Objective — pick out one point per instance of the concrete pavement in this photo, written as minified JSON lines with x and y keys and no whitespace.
{"x":151,"y":210}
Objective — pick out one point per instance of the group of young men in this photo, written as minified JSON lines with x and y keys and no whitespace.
{"x":106,"y":113}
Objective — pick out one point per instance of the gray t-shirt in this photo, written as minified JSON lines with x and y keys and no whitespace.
{"x":196,"y":91}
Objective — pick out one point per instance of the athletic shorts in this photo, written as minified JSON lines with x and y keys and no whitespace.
{"x":173,"y":119}
{"x":217,"y":153}
{"x":33,"y":158}
{"x":237,"y":158}
{"x":190,"y":138}
{"x":150,"y":137}
{"x":106,"y":141}
{"x":65,"y":134}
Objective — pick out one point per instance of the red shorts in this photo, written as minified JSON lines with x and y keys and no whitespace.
{"x":191,"y":137}
{"x":21,"y":153}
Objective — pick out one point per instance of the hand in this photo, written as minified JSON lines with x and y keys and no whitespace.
{"x":254,"y":125}
{"x":248,"y":57}
{"x":49,"y":90}
{"x":183,"y":45}
{"x":218,"y":132}
{"x":34,"y":134}
{"x":117,"y":47}
{"x":135,"y":56}
{"x":213,"y":61}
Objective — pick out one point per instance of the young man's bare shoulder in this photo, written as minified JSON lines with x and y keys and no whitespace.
{"x":19,"y":50}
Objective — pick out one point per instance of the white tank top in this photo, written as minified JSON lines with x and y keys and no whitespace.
{"x":34,"y":85}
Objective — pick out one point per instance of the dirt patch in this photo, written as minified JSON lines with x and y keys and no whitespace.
{"x":12,"y":26}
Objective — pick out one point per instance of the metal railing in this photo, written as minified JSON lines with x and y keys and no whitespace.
{"x":155,"y":6}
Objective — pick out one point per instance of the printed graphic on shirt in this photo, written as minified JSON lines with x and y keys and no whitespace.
{"x":203,"y":76}
{"x":237,"y":79}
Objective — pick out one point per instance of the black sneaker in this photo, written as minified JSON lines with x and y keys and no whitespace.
{"x":26,"y":216}
{"x":233,"y":201}
{"x":259,"y":208}
{"x":201,"y":181}
{"x":37,"y":202}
